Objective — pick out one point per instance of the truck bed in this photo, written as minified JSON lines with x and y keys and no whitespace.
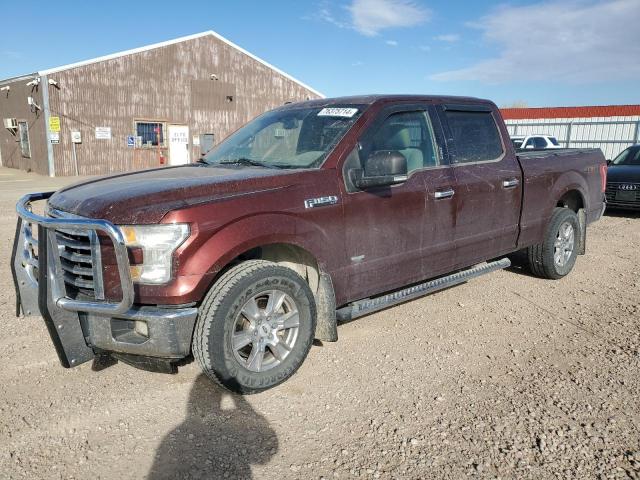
{"x":548,"y":175}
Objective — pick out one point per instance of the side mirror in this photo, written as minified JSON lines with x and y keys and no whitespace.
{"x":609,"y":161}
{"x":382,"y":168}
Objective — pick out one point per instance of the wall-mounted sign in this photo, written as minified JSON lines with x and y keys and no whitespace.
{"x":103,"y":133}
{"x":131,"y":141}
{"x":76,"y":136}
{"x":54,"y":124}
{"x":54,"y":137}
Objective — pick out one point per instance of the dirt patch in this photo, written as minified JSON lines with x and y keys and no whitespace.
{"x":507,"y":376}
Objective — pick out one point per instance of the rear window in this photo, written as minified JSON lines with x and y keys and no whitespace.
{"x":475,"y":135}
{"x":539,"y":142}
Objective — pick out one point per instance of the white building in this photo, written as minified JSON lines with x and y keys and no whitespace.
{"x":611,"y":128}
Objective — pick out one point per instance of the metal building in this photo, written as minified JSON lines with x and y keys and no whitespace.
{"x":162,"y":104}
{"x":611,"y":128}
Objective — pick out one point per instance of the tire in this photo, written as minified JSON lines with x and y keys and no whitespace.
{"x":235,"y":312}
{"x":556,"y":256}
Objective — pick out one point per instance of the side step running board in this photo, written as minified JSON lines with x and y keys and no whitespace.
{"x":370,"y":305}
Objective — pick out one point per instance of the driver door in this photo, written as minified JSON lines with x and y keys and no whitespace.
{"x":385,"y":226}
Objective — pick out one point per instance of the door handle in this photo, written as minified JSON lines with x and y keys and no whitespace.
{"x":510,"y":183}
{"x":444,"y":193}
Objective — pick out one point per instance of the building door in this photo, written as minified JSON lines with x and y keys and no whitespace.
{"x":179,"y":145}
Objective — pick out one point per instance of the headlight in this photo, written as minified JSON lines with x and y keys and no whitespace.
{"x":157,"y":242}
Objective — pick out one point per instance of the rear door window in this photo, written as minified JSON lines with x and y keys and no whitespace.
{"x":475,"y":135}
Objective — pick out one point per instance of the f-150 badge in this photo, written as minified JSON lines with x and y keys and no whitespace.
{"x":320,"y":201}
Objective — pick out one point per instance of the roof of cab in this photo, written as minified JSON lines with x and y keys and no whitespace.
{"x":371,"y":99}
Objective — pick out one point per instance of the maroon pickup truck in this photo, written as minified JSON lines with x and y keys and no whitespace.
{"x":311,"y":214}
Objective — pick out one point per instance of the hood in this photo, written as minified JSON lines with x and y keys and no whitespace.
{"x":146,"y":196}
{"x":623,"y":174}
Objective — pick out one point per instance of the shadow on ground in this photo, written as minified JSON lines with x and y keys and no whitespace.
{"x":520,"y":264}
{"x":221,"y":437}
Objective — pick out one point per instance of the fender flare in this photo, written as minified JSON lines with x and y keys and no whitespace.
{"x":226,"y":244}
{"x":567,"y":182}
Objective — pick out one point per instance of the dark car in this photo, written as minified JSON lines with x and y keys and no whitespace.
{"x":623,"y":180}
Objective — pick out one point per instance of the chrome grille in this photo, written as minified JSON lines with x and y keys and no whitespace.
{"x":80,"y":260}
{"x":631,"y":196}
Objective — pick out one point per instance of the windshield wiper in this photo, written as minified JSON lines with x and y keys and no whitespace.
{"x":247,"y":161}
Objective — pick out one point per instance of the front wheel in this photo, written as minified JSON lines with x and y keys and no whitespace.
{"x":255,"y":326}
{"x":556,"y":255}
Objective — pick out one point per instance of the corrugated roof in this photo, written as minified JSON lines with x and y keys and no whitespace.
{"x":570,"y":112}
{"x":171,"y":42}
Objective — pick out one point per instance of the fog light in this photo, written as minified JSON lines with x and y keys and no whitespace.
{"x":141,"y":328}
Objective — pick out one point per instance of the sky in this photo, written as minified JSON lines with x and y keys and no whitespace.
{"x":534,"y":53}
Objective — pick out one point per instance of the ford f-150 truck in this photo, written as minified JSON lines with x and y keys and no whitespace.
{"x":311,"y":214}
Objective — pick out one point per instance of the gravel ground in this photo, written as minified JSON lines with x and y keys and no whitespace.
{"x":507,"y":376}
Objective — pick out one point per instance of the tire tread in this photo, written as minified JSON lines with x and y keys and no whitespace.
{"x":540,"y":256}
{"x":209,"y":307}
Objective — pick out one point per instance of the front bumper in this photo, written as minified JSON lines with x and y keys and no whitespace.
{"x":80,"y":327}
{"x":624,"y":205}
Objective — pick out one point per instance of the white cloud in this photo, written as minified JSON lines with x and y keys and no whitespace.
{"x":391,"y":43}
{"x":358,"y":63}
{"x":11,"y":54}
{"x":449,"y":38}
{"x":424,"y":48}
{"x":369,"y":17}
{"x":324,"y":13}
{"x":574,"y":41}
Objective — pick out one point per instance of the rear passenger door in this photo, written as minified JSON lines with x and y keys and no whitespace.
{"x":488,"y":186}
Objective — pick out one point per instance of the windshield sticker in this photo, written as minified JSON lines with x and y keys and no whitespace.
{"x":338,"y":112}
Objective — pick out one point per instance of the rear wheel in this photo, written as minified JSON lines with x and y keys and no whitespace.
{"x":556,"y":255}
{"x":255,"y":326}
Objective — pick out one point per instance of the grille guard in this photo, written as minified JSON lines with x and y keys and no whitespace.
{"x":49,"y":285}
{"x":45,"y":292}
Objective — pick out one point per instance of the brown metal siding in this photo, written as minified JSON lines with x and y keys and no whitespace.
{"x":13,"y":104}
{"x":170,"y":83}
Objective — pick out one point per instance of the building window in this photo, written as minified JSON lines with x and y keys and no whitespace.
{"x":23,"y":131}
{"x":151,"y":133}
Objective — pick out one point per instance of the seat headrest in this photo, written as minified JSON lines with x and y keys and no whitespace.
{"x":393,"y":137}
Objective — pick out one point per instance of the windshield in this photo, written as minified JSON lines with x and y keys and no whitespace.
{"x":630,"y":156}
{"x":517,"y":143}
{"x":554,"y":140}
{"x":289,"y":138}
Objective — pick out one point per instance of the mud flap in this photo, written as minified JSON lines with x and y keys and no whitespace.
{"x":582,"y":221}
{"x":64,"y":326}
{"x":326,"y":326}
